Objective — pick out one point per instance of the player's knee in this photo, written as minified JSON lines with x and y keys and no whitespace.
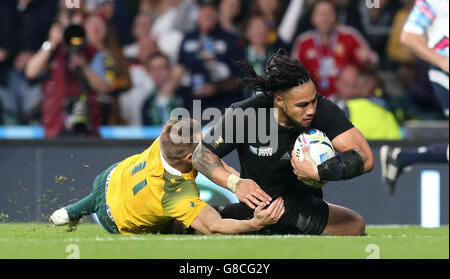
{"x":358,"y":225}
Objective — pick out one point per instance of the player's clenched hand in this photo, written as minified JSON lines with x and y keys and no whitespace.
{"x":270,"y":215}
{"x":250,"y":193}
{"x":305,"y":169}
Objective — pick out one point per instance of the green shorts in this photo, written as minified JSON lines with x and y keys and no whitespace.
{"x":101,"y":207}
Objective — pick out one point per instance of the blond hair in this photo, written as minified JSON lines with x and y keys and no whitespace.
{"x":179,"y":137}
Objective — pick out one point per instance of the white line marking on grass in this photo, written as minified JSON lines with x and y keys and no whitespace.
{"x":221,"y":237}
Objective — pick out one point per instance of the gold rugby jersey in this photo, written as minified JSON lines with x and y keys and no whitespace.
{"x":145,"y":194}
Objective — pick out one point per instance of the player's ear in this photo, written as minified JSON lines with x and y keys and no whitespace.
{"x":188,"y":158}
{"x":278,"y":101}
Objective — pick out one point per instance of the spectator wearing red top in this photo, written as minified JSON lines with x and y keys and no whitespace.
{"x":330,"y":47}
{"x":68,"y":82}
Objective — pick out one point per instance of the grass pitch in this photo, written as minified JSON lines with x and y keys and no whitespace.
{"x":89,"y":241}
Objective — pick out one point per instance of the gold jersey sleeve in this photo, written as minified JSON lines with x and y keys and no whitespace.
{"x":144,"y":197}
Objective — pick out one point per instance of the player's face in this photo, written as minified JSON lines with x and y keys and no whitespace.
{"x":299,"y":104}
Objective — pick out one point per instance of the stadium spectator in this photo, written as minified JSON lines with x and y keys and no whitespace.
{"x":344,"y":10}
{"x":288,"y":26}
{"x":172,"y":19}
{"x":360,"y":97}
{"x":119,"y":15}
{"x":24,"y":29}
{"x":158,"y":106}
{"x":230,"y":16}
{"x":137,"y":54}
{"x":69,"y":84}
{"x":144,"y":45}
{"x":272,"y":11}
{"x":330,"y":47}
{"x":396,"y":52}
{"x":257,"y":49}
{"x":7,"y":9}
{"x":374,"y":23}
{"x":207,"y":57}
{"x":110,"y":64}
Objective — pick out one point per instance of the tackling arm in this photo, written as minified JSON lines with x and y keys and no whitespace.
{"x":209,"y":220}
{"x":210,"y":165}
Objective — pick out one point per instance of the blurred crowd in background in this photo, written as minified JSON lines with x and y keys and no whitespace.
{"x":130,"y":62}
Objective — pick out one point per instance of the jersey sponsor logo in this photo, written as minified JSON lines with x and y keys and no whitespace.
{"x":261,"y":151}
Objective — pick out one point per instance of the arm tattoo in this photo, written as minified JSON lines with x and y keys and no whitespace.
{"x":205,"y":161}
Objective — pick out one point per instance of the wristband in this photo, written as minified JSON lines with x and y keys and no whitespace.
{"x":232,"y":182}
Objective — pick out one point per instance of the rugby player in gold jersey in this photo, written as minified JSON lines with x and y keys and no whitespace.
{"x":149,"y":192}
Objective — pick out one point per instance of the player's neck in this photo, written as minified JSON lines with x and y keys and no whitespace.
{"x":281,"y":118}
{"x":183,"y":167}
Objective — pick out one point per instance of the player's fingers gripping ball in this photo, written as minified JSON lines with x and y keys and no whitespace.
{"x":319,"y":149}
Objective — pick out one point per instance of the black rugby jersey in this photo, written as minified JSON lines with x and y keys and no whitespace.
{"x":268,"y":163}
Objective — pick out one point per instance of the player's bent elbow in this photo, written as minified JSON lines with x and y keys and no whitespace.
{"x":360,"y":227}
{"x":368,"y":165}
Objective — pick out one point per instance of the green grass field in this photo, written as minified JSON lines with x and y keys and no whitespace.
{"x":89,"y":241}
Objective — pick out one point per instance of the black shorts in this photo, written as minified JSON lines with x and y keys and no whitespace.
{"x":305,"y":213}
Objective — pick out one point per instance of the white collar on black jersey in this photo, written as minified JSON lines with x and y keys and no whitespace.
{"x":168,"y":167}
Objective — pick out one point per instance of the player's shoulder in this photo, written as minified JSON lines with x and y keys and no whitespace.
{"x":326,"y":108}
{"x":257,"y":101}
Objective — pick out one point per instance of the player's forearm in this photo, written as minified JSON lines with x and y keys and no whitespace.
{"x":230,"y":169}
{"x":210,"y":165}
{"x":418,"y":45}
{"x":232,"y":226}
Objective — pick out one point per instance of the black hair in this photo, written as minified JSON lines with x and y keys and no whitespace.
{"x":282,"y":73}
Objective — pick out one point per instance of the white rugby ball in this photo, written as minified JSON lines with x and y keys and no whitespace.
{"x":320,"y":149}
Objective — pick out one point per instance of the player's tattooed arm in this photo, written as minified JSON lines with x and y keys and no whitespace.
{"x":210,"y":165}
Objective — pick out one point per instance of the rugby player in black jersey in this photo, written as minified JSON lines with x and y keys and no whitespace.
{"x":269,"y":169}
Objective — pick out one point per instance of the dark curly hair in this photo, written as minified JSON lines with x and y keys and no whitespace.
{"x":282,"y":73}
